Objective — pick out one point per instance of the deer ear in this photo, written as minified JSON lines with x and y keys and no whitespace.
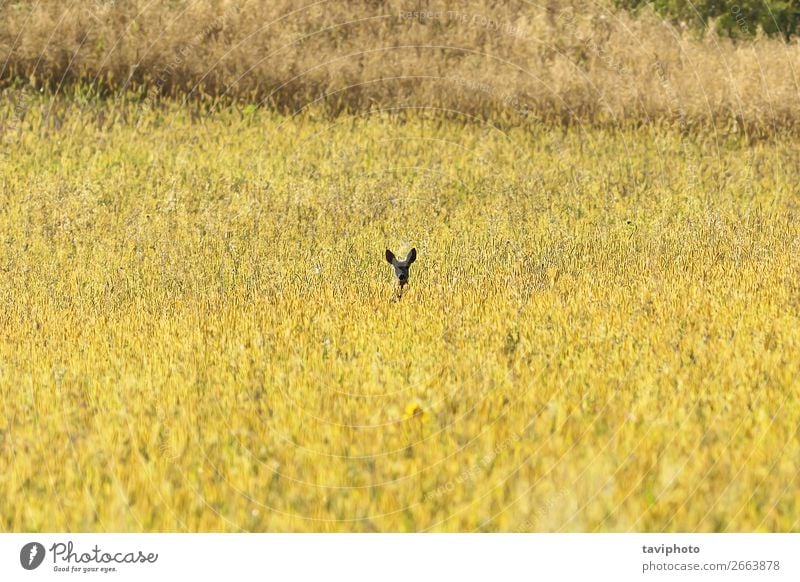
{"x":412,"y":256}
{"x":389,"y":257}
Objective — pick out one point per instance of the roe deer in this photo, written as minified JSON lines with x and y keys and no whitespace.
{"x":401,"y":267}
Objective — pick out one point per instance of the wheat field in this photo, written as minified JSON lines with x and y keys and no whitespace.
{"x":199,"y":333}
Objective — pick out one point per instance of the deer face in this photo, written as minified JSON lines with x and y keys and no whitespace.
{"x":401,"y":267}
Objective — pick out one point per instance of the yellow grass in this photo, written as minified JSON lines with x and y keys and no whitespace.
{"x":601,"y":330}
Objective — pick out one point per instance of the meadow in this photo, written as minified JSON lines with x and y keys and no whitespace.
{"x":198,"y":329}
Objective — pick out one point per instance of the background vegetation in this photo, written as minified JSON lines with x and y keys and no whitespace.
{"x":515,"y":62}
{"x":739,"y":19}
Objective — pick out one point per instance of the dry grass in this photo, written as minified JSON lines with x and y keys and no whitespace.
{"x":600,"y":332}
{"x":509,"y":61}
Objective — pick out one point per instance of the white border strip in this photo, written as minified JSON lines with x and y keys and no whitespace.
{"x":401,"y":557}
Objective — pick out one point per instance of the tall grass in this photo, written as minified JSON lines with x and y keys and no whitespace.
{"x":512,"y":62}
{"x":197,"y":329}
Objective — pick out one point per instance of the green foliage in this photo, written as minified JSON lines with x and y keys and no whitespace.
{"x":739,"y":19}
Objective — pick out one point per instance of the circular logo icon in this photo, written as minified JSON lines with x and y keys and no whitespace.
{"x":31,"y":555}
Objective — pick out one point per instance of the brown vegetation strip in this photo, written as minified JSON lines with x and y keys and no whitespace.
{"x":510,"y":61}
